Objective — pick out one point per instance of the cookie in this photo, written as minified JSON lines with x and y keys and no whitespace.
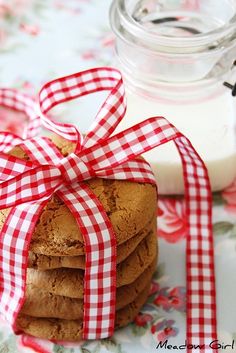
{"x":129,"y":205}
{"x":39,"y":303}
{"x":69,"y":282}
{"x":43,"y":262}
{"x":72,"y":330}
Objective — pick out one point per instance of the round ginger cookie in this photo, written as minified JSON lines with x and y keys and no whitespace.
{"x":44,"y":262}
{"x":130,"y":206}
{"x":70,"y":282}
{"x":39,"y":303}
{"x":72,"y":330}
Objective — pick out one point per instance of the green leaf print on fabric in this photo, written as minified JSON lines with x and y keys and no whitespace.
{"x":138,"y":331}
{"x":233,"y":232}
{"x":85,"y":350}
{"x":111,"y":345}
{"x":61,"y":349}
{"x":9,"y":345}
{"x":218,"y":199}
{"x":221,"y":228}
{"x":160,"y":271}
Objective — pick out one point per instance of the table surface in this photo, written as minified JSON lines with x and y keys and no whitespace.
{"x":41,"y":40}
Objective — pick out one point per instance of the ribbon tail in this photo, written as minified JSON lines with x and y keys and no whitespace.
{"x":200,"y":269}
{"x":100,"y":266}
{"x":16,"y":235}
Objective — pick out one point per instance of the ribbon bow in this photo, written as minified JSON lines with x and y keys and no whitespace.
{"x":26,"y":186}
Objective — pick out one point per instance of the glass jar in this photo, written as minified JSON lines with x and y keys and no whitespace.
{"x":175,"y":56}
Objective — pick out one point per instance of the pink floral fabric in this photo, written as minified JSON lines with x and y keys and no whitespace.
{"x":229,"y":196}
{"x":12,"y":121}
{"x":171,"y":219}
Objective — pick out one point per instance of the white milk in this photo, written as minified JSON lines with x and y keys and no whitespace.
{"x":209,"y":125}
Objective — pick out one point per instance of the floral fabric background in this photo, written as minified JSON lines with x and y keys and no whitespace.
{"x":44,"y":39}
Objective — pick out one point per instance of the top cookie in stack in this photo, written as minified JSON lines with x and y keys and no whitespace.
{"x":54,"y":297}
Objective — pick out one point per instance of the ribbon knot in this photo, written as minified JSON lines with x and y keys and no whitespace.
{"x":74,"y":170}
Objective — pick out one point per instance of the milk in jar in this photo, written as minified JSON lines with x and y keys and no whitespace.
{"x":175,"y":57}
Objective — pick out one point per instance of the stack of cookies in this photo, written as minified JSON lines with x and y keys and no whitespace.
{"x":53,"y":307}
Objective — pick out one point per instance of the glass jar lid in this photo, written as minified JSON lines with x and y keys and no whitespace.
{"x":176,"y":25}
{"x":175,"y":40}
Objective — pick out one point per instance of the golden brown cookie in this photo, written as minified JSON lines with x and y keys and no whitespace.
{"x":130,"y":207}
{"x":72,"y":330}
{"x":43,"y":262}
{"x":39,"y":303}
{"x":69,"y":282}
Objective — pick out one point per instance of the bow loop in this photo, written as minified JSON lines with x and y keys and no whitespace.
{"x":80,"y":84}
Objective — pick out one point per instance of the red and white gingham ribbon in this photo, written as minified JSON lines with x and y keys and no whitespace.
{"x":26,"y":186}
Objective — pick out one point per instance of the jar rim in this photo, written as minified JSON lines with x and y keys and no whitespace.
{"x":147,"y":35}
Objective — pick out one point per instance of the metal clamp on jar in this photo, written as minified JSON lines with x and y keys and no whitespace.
{"x":175,"y":56}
